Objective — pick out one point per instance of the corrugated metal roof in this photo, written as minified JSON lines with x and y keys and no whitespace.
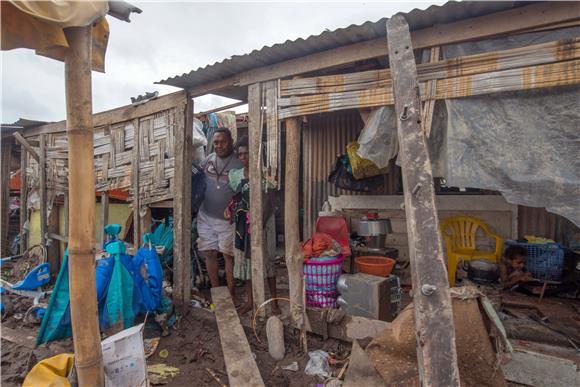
{"x":268,"y":55}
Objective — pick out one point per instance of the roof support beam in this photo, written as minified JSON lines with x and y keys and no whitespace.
{"x":499,"y":23}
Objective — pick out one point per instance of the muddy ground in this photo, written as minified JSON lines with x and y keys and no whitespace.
{"x":193,"y":346}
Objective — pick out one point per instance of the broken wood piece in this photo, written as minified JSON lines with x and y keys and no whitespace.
{"x":361,"y":371}
{"x":240,"y":364}
{"x":536,"y":369}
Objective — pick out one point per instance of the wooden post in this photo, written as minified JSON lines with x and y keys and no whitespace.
{"x":256,"y":194}
{"x":104,"y":215}
{"x":23,"y":200}
{"x":5,"y":161}
{"x":145,"y":219}
{"x":182,"y":205}
{"x":53,"y":248}
{"x":135,"y":183}
{"x":294,"y":257}
{"x":81,"y":183}
{"x":42,"y":190}
{"x":436,"y":352}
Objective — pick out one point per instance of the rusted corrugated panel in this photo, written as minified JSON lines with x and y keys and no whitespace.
{"x":324,"y":138}
{"x":537,"y":221}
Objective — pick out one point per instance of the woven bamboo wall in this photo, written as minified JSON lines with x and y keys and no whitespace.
{"x":114,"y":152}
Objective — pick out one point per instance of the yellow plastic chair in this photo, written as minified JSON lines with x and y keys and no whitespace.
{"x":459,"y":235}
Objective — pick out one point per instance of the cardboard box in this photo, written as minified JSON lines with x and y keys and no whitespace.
{"x":124,"y":358}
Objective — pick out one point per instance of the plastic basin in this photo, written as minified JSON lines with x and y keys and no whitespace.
{"x":375,"y":265}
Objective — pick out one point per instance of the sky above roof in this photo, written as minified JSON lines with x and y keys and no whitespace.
{"x":172,"y":38}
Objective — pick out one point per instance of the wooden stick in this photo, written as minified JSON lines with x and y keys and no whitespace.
{"x":215,"y":377}
{"x":258,"y":242}
{"x":436,"y":352}
{"x":22,"y":141}
{"x":227,"y":107}
{"x":83,"y":297}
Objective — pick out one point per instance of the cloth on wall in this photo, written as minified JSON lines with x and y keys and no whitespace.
{"x":524,"y":144}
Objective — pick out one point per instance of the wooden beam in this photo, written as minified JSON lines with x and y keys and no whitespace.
{"x":294,"y":257}
{"x":182,"y":205}
{"x":226,"y":107}
{"x":145,"y":219}
{"x":114,"y":116}
{"x":240,"y":364}
{"x":5,"y":160}
{"x":258,"y":243}
{"x":499,"y":23}
{"x":22,"y":141}
{"x":104,"y":215}
{"x":436,"y":351}
{"x":81,"y":184}
{"x":23,"y":201}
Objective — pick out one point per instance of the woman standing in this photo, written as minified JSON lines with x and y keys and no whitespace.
{"x":239,"y":182}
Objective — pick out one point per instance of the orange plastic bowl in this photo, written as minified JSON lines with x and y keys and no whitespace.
{"x":375,"y":265}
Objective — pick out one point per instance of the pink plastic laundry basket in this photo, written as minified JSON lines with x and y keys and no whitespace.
{"x":320,"y":276}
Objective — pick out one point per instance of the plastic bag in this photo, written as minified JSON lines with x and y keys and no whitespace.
{"x":362,"y":168}
{"x":318,"y":364}
{"x":342,"y":179}
{"x":198,"y":138}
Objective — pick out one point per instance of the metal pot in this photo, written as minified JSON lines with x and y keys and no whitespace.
{"x":482,"y":270}
{"x":375,"y":231}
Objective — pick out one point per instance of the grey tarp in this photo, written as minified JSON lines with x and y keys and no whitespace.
{"x":524,"y":144}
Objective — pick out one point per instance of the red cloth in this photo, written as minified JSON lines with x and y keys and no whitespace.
{"x":315,"y":246}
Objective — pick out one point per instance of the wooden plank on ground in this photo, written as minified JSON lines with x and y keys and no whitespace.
{"x":240,"y":364}
{"x":20,"y":337}
{"x":436,"y":350}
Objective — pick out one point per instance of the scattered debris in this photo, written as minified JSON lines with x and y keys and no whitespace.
{"x":291,"y":367}
{"x":163,"y":353}
{"x":215,"y":377}
{"x":318,"y":364}
{"x":150,"y":346}
{"x":161,"y":373}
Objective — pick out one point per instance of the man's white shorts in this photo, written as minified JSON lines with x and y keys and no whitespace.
{"x":215,"y":234}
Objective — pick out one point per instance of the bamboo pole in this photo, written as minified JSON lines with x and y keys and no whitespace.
{"x":83,"y":294}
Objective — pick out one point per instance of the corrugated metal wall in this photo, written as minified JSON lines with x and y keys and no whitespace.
{"x":539,"y":222}
{"x":324,"y":137}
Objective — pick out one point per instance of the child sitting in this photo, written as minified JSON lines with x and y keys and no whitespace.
{"x":512,"y":267}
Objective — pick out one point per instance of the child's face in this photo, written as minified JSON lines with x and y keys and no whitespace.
{"x":518,"y":262}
